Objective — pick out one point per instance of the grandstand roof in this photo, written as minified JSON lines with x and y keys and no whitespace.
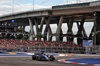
{"x":76,"y":5}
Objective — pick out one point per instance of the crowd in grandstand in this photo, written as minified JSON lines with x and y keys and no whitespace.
{"x":13,"y":43}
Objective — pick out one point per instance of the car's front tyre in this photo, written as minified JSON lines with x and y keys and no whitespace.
{"x":52,"y":58}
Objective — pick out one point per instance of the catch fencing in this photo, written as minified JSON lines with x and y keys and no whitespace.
{"x":93,"y":50}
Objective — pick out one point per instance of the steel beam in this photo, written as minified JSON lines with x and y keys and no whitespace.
{"x":41,"y":24}
{"x":37,"y":30}
{"x":47,"y":29}
{"x":61,"y":32}
{"x":69,"y":32}
{"x":59,"y":28}
{"x":31,"y":29}
{"x":80,"y":32}
{"x":91,"y":33}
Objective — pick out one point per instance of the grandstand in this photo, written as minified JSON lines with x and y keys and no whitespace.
{"x":25,"y":45}
{"x":7,"y":30}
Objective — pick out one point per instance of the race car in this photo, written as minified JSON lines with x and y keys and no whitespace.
{"x":43,"y":57}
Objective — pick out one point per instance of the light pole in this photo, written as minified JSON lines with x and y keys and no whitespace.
{"x":33,"y":4}
{"x":76,"y":1}
{"x":67,"y":1}
{"x":12,"y":6}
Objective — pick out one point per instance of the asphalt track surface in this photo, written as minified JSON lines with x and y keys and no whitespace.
{"x":27,"y":61}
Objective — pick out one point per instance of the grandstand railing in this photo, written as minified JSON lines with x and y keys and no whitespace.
{"x":77,"y":50}
{"x":48,"y":49}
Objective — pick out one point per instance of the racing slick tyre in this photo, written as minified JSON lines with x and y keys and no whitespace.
{"x":39,"y":58}
{"x":52,"y":58}
{"x":33,"y":57}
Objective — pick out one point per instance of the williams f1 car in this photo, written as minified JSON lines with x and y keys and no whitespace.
{"x":43,"y":57}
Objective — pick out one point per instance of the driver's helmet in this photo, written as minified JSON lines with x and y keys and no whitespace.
{"x":42,"y":52}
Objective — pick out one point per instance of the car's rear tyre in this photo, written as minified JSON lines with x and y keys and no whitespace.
{"x":52,"y":58}
{"x":33,"y":57}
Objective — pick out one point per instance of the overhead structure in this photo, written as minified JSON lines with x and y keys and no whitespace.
{"x":78,"y":15}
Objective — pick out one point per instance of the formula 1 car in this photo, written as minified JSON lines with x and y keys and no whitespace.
{"x":43,"y":57}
